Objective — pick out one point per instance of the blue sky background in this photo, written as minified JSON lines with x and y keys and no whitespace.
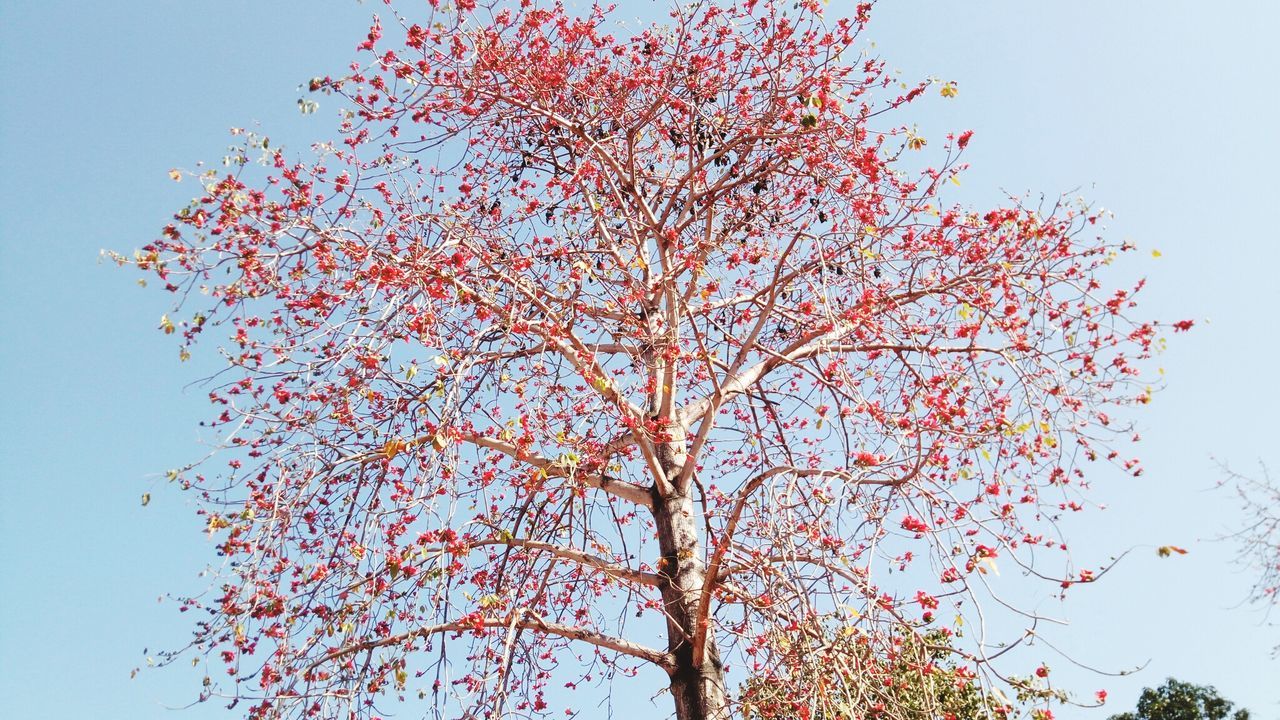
{"x":1164,"y":112}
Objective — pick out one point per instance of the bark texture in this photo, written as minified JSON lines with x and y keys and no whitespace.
{"x":698,"y":687}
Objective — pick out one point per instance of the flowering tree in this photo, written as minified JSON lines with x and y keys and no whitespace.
{"x":570,"y":327}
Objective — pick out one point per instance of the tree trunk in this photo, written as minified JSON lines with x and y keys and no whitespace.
{"x":698,"y":688}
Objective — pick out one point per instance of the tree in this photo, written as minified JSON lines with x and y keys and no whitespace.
{"x":1177,"y":700}
{"x":571,"y":327}
{"x":1259,"y":537}
{"x":840,"y":676}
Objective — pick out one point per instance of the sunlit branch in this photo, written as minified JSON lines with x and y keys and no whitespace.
{"x":614,"y":486}
{"x":622,"y":573}
{"x":524,"y":619}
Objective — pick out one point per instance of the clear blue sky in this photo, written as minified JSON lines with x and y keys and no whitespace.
{"x":1163,"y":111}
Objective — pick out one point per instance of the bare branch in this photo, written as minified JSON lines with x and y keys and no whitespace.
{"x":622,"y":573}
{"x":524,"y":619}
{"x":614,"y":486}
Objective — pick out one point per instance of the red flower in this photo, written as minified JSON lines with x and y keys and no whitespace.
{"x":416,"y":36}
{"x":1183,"y":325}
{"x":866,"y":458}
{"x":914,"y":524}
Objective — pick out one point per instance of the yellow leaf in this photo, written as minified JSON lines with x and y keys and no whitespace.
{"x":955,"y":181}
{"x":175,"y":175}
{"x":949,"y":90}
{"x":393,"y":448}
{"x":1156,"y":253}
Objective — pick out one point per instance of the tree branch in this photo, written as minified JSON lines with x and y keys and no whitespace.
{"x":632,"y":492}
{"x":524,"y":619}
{"x":623,"y":573}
